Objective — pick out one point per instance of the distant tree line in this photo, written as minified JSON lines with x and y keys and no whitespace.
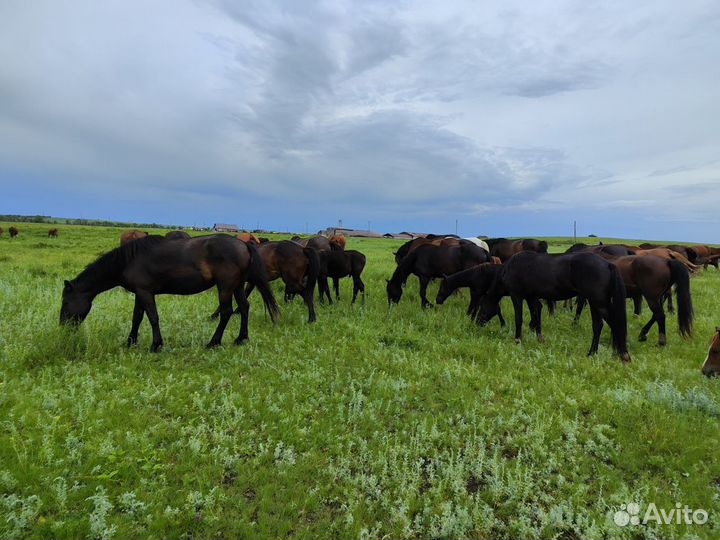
{"x":77,"y":221}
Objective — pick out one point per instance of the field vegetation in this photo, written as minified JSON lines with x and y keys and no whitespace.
{"x":371,"y":423}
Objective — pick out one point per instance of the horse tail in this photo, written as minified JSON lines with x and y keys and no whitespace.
{"x":618,"y":315}
{"x":313,"y":270}
{"x":680,"y":276}
{"x":258,"y":277}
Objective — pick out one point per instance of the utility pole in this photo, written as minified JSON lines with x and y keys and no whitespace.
{"x":456,"y":221}
{"x":368,"y":225}
{"x":575,"y":231}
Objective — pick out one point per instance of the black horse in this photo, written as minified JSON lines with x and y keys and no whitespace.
{"x":155,"y":265}
{"x":340,"y":264}
{"x":428,"y":262}
{"x":478,"y":279}
{"x":530,"y":276}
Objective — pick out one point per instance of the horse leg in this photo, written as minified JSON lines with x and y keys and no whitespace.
{"x":307,"y":296}
{"x":671,"y":309}
{"x":500,"y":315}
{"x":324,"y":289}
{"x":148,"y":302}
{"x":637,"y":303}
{"x":536,"y":316}
{"x":244,"y":310}
{"x":659,"y":317}
{"x":423,"y":291}
{"x":518,"y":306}
{"x":138,"y":314}
{"x":597,"y":325}
{"x":336,"y":284}
{"x":579,"y":309}
{"x":551,"y":306}
{"x":358,"y":286}
{"x":225,"y":301}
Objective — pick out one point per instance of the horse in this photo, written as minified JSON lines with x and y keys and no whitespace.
{"x":707,"y":255}
{"x":298,"y":267}
{"x":318,"y":243}
{"x":431,"y":239}
{"x":430,"y":261}
{"x":504,"y":248}
{"x":13,"y":232}
{"x":177,"y":235}
{"x":478,"y":242}
{"x":711,"y":366}
{"x":340,"y":264}
{"x":529,"y":276}
{"x":248,"y":238}
{"x":651,"y":277}
{"x":155,"y":265}
{"x":339,"y":240}
{"x":1,"y":231}
{"x":52,"y":233}
{"x":129,"y":236}
{"x":687,"y":252}
{"x":478,"y":279}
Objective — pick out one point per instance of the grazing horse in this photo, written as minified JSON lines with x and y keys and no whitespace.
{"x":711,"y":366}
{"x":155,"y":265}
{"x":177,"y":235}
{"x":1,"y":231}
{"x":478,"y":279}
{"x":651,"y":278}
{"x":129,"y":236}
{"x":318,"y":243}
{"x":340,"y":264}
{"x":248,"y":238}
{"x":13,"y":232}
{"x":298,"y":267}
{"x":52,"y":233}
{"x":707,"y":255}
{"x":504,"y":248}
{"x":530,"y":276}
{"x":687,"y":252}
{"x":339,"y":240}
{"x":428,"y":262}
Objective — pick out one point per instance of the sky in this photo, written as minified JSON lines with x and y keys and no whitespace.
{"x":506,"y":118}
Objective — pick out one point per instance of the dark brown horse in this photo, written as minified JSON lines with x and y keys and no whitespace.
{"x":711,"y":366}
{"x":651,"y":278}
{"x":504,"y":248}
{"x":1,"y":231}
{"x":155,"y":265}
{"x":428,"y":262}
{"x":431,"y":239}
{"x":478,"y":279}
{"x":13,"y":232}
{"x":177,"y":235}
{"x":297,"y":266}
{"x":337,"y":265}
{"x":318,"y":243}
{"x":707,"y":255}
{"x":52,"y":233}
{"x":529,"y":277}
{"x":129,"y":236}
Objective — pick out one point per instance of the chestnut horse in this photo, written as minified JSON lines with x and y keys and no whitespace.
{"x":339,"y":239}
{"x":432,"y":240}
{"x":13,"y":232}
{"x":53,"y":233}
{"x":129,"y":236}
{"x":504,"y":248}
{"x":248,"y":238}
{"x":155,"y":265}
{"x":711,"y":366}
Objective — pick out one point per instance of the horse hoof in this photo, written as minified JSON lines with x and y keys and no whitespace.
{"x":642,"y":338}
{"x":518,"y":341}
{"x":212,"y":345}
{"x":662,"y":340}
{"x":241,"y":340}
{"x":541,"y":338}
{"x":156,"y":347}
{"x":625,"y":358}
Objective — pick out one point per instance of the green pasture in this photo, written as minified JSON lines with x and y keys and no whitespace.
{"x":371,"y":423}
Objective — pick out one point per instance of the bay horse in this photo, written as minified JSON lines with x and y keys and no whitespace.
{"x":13,"y":232}
{"x":711,"y":366}
{"x":52,"y":233}
{"x":707,"y":255}
{"x":504,"y":248}
{"x":431,"y":239}
{"x":337,"y":265}
{"x":478,"y":279}
{"x":318,"y":243}
{"x":1,"y":231}
{"x":297,"y":266}
{"x":177,"y":235}
{"x":430,"y":261}
{"x":154,"y":265}
{"x":686,"y":251}
{"x":248,"y":238}
{"x":530,"y":276}
{"x":129,"y":236}
{"x":651,"y":277}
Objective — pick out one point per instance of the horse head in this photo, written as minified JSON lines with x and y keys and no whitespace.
{"x":711,"y":367}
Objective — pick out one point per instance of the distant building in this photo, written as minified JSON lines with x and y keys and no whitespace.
{"x":405,"y":235}
{"x":225,"y":227}
{"x":357,"y":233}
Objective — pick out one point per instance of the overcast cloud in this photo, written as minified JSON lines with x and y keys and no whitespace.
{"x":511,"y":117}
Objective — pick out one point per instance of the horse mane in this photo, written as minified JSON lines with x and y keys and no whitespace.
{"x":120,"y":257}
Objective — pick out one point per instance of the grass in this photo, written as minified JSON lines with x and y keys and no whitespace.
{"x":370,"y":423}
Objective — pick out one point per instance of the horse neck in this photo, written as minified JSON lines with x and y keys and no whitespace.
{"x":400,"y":274}
{"x":98,"y":277}
{"x":460,"y":279}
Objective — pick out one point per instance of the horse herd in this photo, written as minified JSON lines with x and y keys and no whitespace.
{"x":602,"y":277}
